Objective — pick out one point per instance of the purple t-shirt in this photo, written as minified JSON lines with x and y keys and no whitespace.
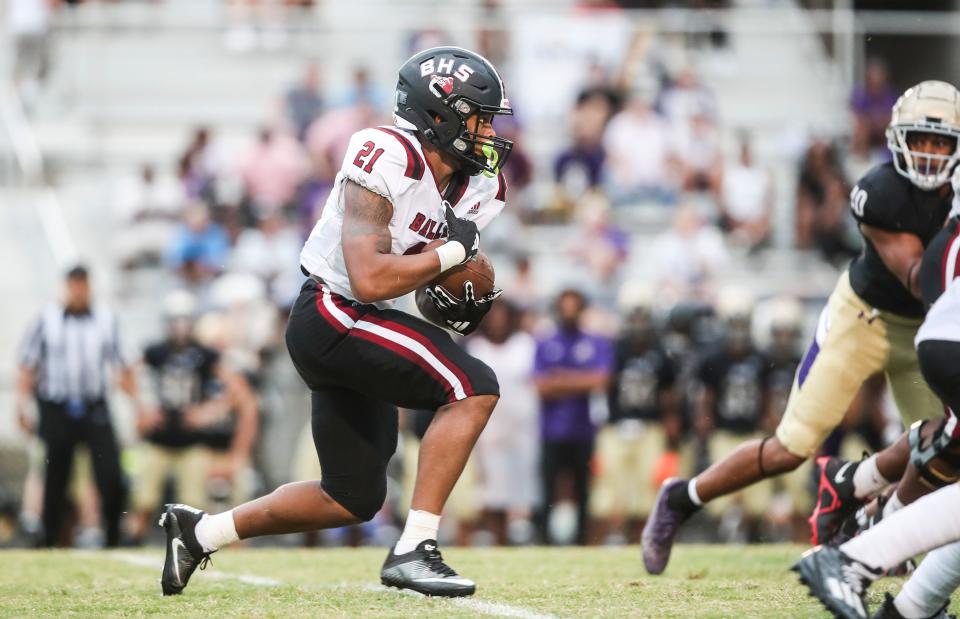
{"x":568,"y":419}
{"x":876,"y":105}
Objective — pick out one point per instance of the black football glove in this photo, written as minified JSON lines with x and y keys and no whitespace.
{"x":462,"y":231}
{"x":462,"y":317}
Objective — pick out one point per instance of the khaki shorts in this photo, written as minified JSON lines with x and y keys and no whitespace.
{"x":754,"y":499}
{"x":853,"y":342}
{"x":188,"y":466}
{"x":626,"y":458}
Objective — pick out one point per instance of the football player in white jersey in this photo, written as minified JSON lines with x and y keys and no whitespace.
{"x":434,"y":174}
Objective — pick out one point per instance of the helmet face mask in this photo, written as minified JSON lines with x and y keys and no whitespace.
{"x":931,"y":108}
{"x":926,"y":170}
{"x":441,"y":92}
{"x":179,"y":312}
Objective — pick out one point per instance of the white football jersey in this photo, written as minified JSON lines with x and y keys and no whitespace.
{"x":389,"y":161}
{"x":943,"y":318}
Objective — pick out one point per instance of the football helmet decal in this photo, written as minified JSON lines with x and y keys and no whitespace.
{"x":438,"y":90}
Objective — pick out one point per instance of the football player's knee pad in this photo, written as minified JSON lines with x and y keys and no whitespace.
{"x":362,"y":494}
{"x":937,"y":459}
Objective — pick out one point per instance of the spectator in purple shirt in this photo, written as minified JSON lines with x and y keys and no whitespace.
{"x":871,"y":104}
{"x":569,"y":366}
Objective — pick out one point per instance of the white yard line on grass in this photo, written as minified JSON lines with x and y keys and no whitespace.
{"x":495,"y":609}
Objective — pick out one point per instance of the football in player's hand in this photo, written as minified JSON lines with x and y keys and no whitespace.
{"x":478,"y":270}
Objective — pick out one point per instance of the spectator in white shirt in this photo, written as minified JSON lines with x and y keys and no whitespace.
{"x":29,"y":24}
{"x":507,"y":452}
{"x":270,"y":251}
{"x":148,"y":208}
{"x":746,"y":200}
{"x":687,"y":98}
{"x":688,"y":256}
{"x":637,"y":143}
{"x":698,"y":152}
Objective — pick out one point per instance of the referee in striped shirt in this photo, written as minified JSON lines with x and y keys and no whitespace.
{"x":66,"y":363}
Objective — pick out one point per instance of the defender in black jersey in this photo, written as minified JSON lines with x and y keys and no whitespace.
{"x":733,"y":404}
{"x":193,"y":389}
{"x":867,"y":327}
{"x":885,"y":201}
{"x":642,"y":429}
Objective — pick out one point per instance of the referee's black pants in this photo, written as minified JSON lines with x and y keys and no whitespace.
{"x":61,"y":434}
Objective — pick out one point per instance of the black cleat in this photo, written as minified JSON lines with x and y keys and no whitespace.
{"x":889,"y":611}
{"x":838,"y":581}
{"x":184,"y":552}
{"x":835,"y":499}
{"x":423,"y":570}
{"x":864,"y":518}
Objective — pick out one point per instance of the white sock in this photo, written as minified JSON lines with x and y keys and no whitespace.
{"x":420,"y":526}
{"x":867,"y":480}
{"x":692,"y":492}
{"x":215,"y":531}
{"x":927,"y":523}
{"x":894,"y":504}
{"x":931,"y":585}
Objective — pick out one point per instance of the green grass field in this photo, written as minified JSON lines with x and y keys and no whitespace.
{"x":702,"y":581}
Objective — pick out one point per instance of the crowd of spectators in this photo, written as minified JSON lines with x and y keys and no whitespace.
{"x":606,"y":390}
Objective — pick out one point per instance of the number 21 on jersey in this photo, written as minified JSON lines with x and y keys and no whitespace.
{"x":361,"y":159}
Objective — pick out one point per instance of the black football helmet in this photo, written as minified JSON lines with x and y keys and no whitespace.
{"x":438,"y":89}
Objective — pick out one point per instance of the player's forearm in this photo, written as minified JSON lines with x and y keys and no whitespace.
{"x":26,"y":379}
{"x":907,"y":272}
{"x":246,"y":430}
{"x":584,"y":381}
{"x":550,"y":387}
{"x":240,"y":396}
{"x":563,"y":383}
{"x":384,"y":276}
{"x":128,"y":384}
{"x":912,"y":282}
{"x":901,"y":253}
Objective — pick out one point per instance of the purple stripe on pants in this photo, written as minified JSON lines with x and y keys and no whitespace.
{"x":808,"y":360}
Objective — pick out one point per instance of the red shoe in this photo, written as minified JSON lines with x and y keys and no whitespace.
{"x":835,"y":499}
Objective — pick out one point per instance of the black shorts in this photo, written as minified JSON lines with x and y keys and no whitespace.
{"x":384,"y":354}
{"x":938,"y":363}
